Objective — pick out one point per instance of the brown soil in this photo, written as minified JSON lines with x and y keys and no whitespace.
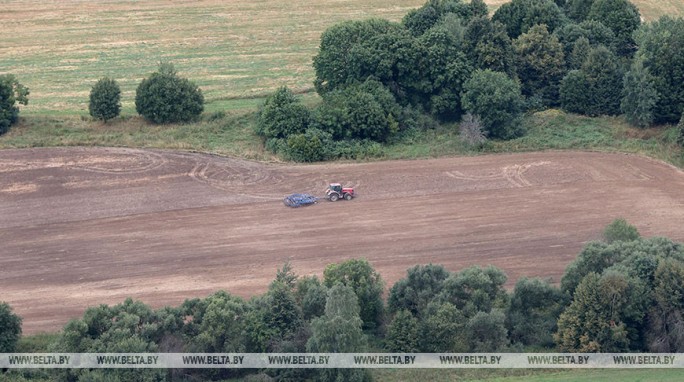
{"x":85,"y":226}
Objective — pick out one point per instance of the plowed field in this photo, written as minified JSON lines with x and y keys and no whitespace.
{"x":85,"y":226}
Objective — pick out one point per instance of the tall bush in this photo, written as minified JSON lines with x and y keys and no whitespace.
{"x":164,"y":97}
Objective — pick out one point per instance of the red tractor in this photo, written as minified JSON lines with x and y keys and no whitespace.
{"x":335,"y":191}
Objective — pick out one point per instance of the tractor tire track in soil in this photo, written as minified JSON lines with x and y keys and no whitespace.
{"x":85,"y":226}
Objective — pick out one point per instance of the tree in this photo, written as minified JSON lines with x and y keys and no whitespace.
{"x":311,"y":296}
{"x":541,"y":64}
{"x":10,"y":328}
{"x":620,"y":230}
{"x":403,"y":333}
{"x":622,"y":17}
{"x":520,"y":15}
{"x":486,"y":333}
{"x":497,"y":100}
{"x":471,"y":131}
{"x":442,"y":329}
{"x":596,"y":88}
{"x":666,"y":318}
{"x":488,"y":46}
{"x":578,"y":10}
{"x":532,"y":314}
{"x":11,"y":93}
{"x":579,"y":54}
{"x":420,"y":20}
{"x":414,"y":292}
{"x":339,"y":331}
{"x":366,"y":283}
{"x":105,"y":100}
{"x":281,"y":115}
{"x":475,"y":289}
{"x":217,"y":325}
{"x":661,"y":46}
{"x":165,"y":97}
{"x":604,"y":316}
{"x":331,"y":64}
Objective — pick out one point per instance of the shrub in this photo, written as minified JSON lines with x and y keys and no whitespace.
{"x":105,"y":100}
{"x":282,"y":115}
{"x":402,"y":334}
{"x":166,"y":98}
{"x":11,"y":93}
{"x":311,"y":146}
{"x":471,"y":131}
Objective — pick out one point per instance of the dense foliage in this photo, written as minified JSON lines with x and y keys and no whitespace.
{"x":10,"y":328}
{"x":11,"y":93}
{"x":164,"y":97}
{"x":105,"y":100}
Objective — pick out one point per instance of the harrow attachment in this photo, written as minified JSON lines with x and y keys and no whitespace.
{"x":299,"y":200}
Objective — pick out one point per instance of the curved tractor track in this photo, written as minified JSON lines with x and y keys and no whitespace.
{"x":84,"y":226}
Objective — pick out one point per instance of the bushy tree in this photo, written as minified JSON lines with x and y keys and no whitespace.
{"x":403,"y":333}
{"x":164,"y":97}
{"x":579,"y":54}
{"x":541,"y":64}
{"x":593,"y":31}
{"x":10,"y":328}
{"x":331,"y":65}
{"x":442,"y":329}
{"x":105,"y":100}
{"x":661,"y":47}
{"x":604,"y":316}
{"x":533,"y":311}
{"x":311,"y":146}
{"x":217,"y":324}
{"x":665,"y":333}
{"x":366,"y":283}
{"x":282,"y":115}
{"x":11,"y":94}
{"x":488,"y":46}
{"x":475,"y":289}
{"x":596,"y":88}
{"x":419,"y":21}
{"x":578,"y":10}
{"x":620,"y":230}
{"x":414,"y":292}
{"x":486,"y":332}
{"x":622,"y":17}
{"x":339,"y":331}
{"x":520,"y":15}
{"x":497,"y":100}
{"x":311,"y":294}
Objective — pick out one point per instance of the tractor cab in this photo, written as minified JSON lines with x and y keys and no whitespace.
{"x":335,"y":192}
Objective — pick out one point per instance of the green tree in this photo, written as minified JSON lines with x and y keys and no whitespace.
{"x":475,"y":289}
{"x":11,"y":93}
{"x":620,"y":230}
{"x":10,"y":328}
{"x":596,"y":88}
{"x":520,"y":15}
{"x":311,"y":296}
{"x":414,"y":292}
{"x":164,"y":97}
{"x":442,"y":329}
{"x":486,"y":332}
{"x":661,"y":46}
{"x":579,"y":54}
{"x":488,"y":46}
{"x":419,"y":21}
{"x":331,"y":64}
{"x":578,"y":10}
{"x":105,"y":100}
{"x":533,"y":312}
{"x":603,"y":315}
{"x":339,"y":331}
{"x":403,"y":333}
{"x":593,"y":31}
{"x":497,"y":100}
{"x":217,"y":324}
{"x":622,"y":17}
{"x":281,"y":115}
{"x":366,"y":283}
{"x":666,"y":318}
{"x":541,"y":64}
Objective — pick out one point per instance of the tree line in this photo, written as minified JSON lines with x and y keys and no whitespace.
{"x":449,"y":61}
{"x":624,"y":293}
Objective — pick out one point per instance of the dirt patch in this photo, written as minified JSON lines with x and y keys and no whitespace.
{"x":84,"y":226}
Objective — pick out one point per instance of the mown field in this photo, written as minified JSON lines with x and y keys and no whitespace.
{"x":236,"y":51}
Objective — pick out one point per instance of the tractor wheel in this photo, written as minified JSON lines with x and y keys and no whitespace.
{"x":334,"y":197}
{"x":348,"y":196}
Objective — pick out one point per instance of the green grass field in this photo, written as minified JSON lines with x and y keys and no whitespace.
{"x":236,"y":51}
